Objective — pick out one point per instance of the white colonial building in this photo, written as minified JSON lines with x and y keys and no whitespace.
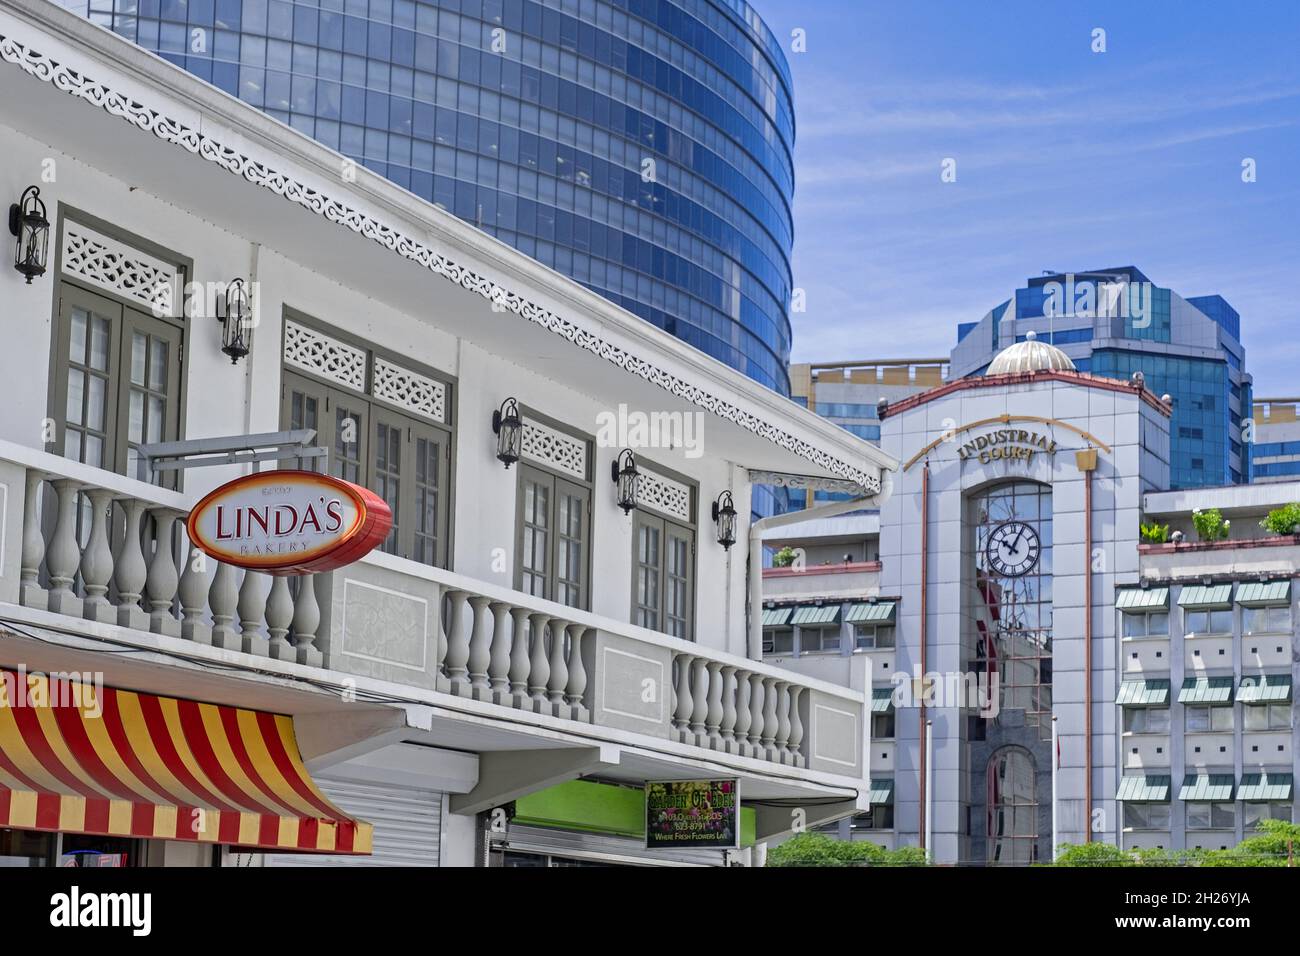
{"x":1005,"y":586}
{"x":518,"y":634}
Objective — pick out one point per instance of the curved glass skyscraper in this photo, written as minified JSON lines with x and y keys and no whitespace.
{"x":642,"y":147}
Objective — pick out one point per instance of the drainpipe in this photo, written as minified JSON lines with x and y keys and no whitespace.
{"x":756,"y":530}
{"x":1087,"y":649}
{"x":925,"y":724}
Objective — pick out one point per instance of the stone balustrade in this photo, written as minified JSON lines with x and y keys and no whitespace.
{"x":112,"y":550}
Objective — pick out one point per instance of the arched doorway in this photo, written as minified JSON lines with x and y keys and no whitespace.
{"x":1012,"y":808}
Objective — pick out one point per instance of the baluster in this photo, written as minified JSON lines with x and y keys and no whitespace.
{"x":519,"y":657}
{"x":743,"y":716}
{"x":440,"y":681}
{"x":251,"y":609}
{"x":162,"y":579}
{"x":713,"y":717}
{"x":768,"y":736}
{"x":221,"y":598}
{"x":756,"y":715}
{"x":129,"y":569}
{"x":279,"y":618}
{"x":458,"y":643}
{"x":305,"y":623}
{"x":573,"y":694}
{"x":700,"y":698}
{"x":30,"y":592}
{"x":782,"y":721}
{"x":728,"y":727}
{"x":97,"y":561}
{"x":685,"y":706}
{"x":64,"y":553}
{"x":193,"y":592}
{"x":539,"y":668}
{"x":558,"y":679}
{"x":796,"y":726}
{"x":480,"y":648}
{"x":499,"y":654}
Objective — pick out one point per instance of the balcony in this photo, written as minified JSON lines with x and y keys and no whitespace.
{"x":91,"y":565}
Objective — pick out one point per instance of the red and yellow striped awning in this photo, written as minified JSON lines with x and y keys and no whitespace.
{"x":112,"y":762}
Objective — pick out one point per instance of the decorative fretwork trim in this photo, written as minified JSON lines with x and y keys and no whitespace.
{"x":96,"y":259}
{"x":782,"y":480}
{"x":666,"y":495}
{"x":206,"y":147}
{"x":553,"y":448}
{"x":409,"y":390}
{"x":323,"y":355}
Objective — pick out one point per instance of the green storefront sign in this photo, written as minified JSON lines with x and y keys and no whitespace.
{"x":694,"y":814}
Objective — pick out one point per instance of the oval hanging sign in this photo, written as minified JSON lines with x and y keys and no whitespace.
{"x":289,"y":522}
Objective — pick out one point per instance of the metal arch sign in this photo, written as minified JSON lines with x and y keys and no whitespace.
{"x":289,"y":522}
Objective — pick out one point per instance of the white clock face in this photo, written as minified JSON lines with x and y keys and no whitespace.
{"x":1013,"y":549}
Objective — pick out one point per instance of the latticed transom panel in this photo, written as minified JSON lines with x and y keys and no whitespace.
{"x":548,"y":446}
{"x":409,"y":390}
{"x":322,"y":355}
{"x":665,"y":495}
{"x":116,"y":267}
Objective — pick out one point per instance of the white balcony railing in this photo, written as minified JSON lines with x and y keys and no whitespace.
{"x":104,"y":548}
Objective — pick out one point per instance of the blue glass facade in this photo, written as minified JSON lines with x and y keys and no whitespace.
{"x":641,"y":147}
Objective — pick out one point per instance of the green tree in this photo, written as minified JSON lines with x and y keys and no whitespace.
{"x":1282,"y":520}
{"x":1092,"y":854}
{"x":818,"y":849}
{"x":783,"y":558}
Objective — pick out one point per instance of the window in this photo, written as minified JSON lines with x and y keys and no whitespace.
{"x":1146,"y":720}
{"x":1211,"y":816}
{"x":1012,"y":808}
{"x":1201,"y":720}
{"x":879,"y":817}
{"x":1266,"y":620}
{"x":404,"y":459}
{"x":663,"y":569}
{"x":1267,"y":716}
{"x":1207,"y":622}
{"x":1147,"y":625}
{"x":816,"y":640}
{"x":1253,"y":813}
{"x":1146,"y":816}
{"x":117,"y":382}
{"x":873,"y":636}
{"x":778,"y":640}
{"x":554,"y":538}
{"x":882,"y":726}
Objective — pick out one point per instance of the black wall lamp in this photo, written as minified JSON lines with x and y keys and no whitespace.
{"x":235,"y":312}
{"x":30,"y":226}
{"x":623,"y":471}
{"x":509,"y":429}
{"x":724,"y":514}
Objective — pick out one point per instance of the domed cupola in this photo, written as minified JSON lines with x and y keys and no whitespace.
{"x":1030,"y":355}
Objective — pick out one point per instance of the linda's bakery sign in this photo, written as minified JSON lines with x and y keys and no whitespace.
{"x":289,"y":522}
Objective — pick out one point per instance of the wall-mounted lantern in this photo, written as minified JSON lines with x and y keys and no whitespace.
{"x":509,"y":429}
{"x":235,"y":313}
{"x":623,"y":471}
{"x":724,"y":514}
{"x":31,"y":228}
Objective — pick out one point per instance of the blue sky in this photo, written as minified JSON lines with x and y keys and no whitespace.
{"x":1066,"y":160}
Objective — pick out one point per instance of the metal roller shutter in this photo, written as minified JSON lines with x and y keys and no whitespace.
{"x":408,"y":825}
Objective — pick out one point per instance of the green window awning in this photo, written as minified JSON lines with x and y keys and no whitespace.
{"x":1206,"y":690}
{"x":882,"y":612}
{"x":810,"y":615}
{"x":882,"y":791}
{"x":1201,"y":597}
{"x":1265,"y":786}
{"x":1264,"y":689}
{"x":882,"y":700}
{"x":1145,"y":788}
{"x":1207,"y":786}
{"x":1151,"y":692}
{"x":776,"y":616}
{"x":1264,"y":594}
{"x":1142,"y":600}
